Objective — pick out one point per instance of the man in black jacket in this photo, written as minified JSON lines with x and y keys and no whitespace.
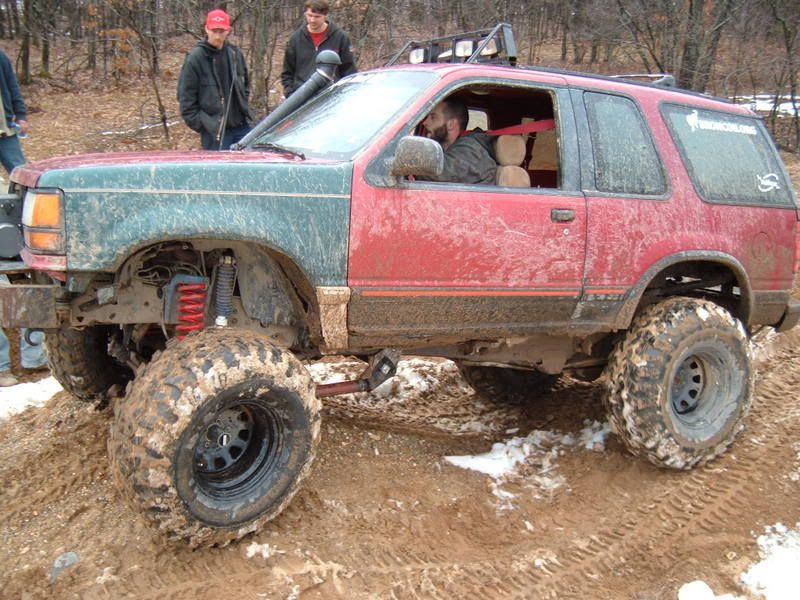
{"x":214,"y":89}
{"x":317,"y":34}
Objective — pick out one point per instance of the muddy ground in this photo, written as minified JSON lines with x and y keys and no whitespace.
{"x":383,"y":515}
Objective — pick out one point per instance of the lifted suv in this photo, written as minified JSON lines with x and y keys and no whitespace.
{"x":653,"y":230}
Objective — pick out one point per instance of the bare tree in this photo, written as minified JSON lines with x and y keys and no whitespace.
{"x":787,"y":18}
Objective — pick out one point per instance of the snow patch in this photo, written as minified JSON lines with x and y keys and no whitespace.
{"x":777,"y":575}
{"x":532,"y":459}
{"x":763,"y":103}
{"x":593,"y":436}
{"x":16,"y":398}
{"x":262,"y":550}
{"x":700,"y":590}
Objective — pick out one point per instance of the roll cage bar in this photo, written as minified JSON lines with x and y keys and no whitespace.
{"x":495,"y":46}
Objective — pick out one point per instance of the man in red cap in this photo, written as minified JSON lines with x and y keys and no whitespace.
{"x":214,"y":88}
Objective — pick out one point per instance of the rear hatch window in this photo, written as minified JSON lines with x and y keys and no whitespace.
{"x":730,"y":158}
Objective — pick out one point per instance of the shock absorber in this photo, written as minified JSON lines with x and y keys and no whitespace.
{"x":191,"y":308}
{"x":226,"y":277}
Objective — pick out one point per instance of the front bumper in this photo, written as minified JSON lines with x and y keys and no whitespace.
{"x":790,"y":318}
{"x":27,"y":305}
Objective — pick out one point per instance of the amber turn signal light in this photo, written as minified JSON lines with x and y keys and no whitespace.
{"x":42,"y":209}
{"x":44,"y":240}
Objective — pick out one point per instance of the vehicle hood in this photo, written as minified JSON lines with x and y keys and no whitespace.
{"x":115,"y":204}
{"x":45,"y":173}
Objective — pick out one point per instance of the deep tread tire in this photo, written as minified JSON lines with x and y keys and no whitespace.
{"x":680,"y":383}
{"x":79,"y":360}
{"x":503,"y":385}
{"x":169,"y":454}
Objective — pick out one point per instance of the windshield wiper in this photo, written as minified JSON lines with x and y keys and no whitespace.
{"x":277,"y":148}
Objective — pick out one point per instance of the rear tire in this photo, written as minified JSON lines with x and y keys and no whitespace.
{"x":215,"y":436}
{"x":80,"y":361}
{"x":680,"y":383}
{"x":503,"y":385}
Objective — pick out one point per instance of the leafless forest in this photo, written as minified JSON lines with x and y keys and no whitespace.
{"x":729,"y":48}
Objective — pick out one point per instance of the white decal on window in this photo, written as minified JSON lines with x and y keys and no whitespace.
{"x":768,"y":183}
{"x":693,"y":120}
{"x":695,"y":123}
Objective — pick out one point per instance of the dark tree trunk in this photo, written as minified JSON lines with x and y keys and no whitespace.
{"x":693,"y":44}
{"x":25,"y":49}
{"x":12,"y":4}
{"x":723,"y":11}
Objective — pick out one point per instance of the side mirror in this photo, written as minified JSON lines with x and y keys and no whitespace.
{"x":418,"y":156}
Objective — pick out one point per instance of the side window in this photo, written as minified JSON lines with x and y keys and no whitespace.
{"x":510,"y":138}
{"x":625,"y":159}
{"x":729,"y":157}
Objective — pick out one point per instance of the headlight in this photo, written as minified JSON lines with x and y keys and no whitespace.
{"x":417,"y":56}
{"x":43,"y":221}
{"x":464,"y":48}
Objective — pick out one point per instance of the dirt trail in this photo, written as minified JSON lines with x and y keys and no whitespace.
{"x":383,"y":516}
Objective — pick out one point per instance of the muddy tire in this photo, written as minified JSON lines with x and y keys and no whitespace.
{"x":80,"y":361}
{"x":680,"y":383}
{"x":215,"y":436}
{"x":507,"y":386}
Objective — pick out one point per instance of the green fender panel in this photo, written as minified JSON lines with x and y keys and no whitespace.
{"x":301,"y":209}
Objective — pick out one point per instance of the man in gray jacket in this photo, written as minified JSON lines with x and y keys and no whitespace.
{"x":314,"y":36}
{"x":214,"y":89}
{"x":468,"y":158}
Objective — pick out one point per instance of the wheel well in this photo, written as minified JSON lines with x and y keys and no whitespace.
{"x":270,"y":285}
{"x":711,"y":280}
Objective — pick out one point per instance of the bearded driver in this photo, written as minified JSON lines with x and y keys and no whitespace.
{"x":467,"y":158}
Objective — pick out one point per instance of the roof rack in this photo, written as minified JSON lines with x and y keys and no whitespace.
{"x":495,"y":45}
{"x":659,"y":79}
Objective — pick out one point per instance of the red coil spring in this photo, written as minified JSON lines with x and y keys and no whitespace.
{"x":191,"y":308}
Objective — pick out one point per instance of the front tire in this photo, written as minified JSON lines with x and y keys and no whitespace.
{"x":215,"y":436}
{"x":680,"y":383}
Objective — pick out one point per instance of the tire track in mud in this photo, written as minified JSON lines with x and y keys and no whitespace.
{"x":73,"y":459}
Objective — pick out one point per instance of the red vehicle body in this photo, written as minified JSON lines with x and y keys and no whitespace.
{"x":648,"y":233}
{"x":428,"y":256}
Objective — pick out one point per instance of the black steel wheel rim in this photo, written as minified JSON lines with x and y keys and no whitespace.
{"x":236,"y":450}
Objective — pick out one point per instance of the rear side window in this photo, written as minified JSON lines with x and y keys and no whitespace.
{"x":729,"y":157}
{"x":625,"y":159}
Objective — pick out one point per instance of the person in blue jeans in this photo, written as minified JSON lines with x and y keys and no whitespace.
{"x":32,"y":356}
{"x":15,"y":121}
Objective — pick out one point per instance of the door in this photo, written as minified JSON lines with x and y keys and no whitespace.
{"x":449,"y":261}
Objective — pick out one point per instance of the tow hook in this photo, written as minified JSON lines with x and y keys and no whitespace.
{"x":29,"y":339}
{"x":382,"y":366}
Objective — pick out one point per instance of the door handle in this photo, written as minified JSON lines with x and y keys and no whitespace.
{"x":562,"y":215}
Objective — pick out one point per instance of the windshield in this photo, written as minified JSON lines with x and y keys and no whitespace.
{"x":337,"y":123}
